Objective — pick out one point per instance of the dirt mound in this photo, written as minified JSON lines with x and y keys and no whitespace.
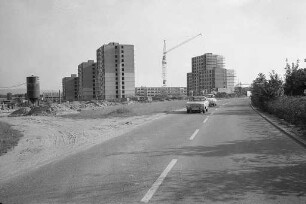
{"x":20,"y":112}
{"x":41,"y":111}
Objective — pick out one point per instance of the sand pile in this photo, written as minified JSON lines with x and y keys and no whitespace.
{"x":20,"y":112}
{"x":41,"y":111}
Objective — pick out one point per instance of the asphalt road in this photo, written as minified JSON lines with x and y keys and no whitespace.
{"x":228,"y":155}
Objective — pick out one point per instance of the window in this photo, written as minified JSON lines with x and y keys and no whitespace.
{"x":122,"y":87}
{"x":115,"y":56}
{"x":117,"y":83}
{"x":116,"y":74}
{"x":116,"y":87}
{"x":116,"y":65}
{"x":116,"y":47}
{"x":123,"y":92}
{"x":122,"y":69}
{"x":116,"y":92}
{"x":122,"y":55}
{"x":123,"y":82}
{"x":122,"y":65}
{"x":122,"y":60}
{"x":116,"y":61}
{"x":122,"y":78}
{"x":116,"y":78}
{"x":122,"y":74}
{"x":122,"y":46}
{"x":123,"y":96}
{"x":122,"y":51}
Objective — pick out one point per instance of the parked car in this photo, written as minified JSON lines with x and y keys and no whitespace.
{"x":211,"y":99}
{"x":197,"y":103}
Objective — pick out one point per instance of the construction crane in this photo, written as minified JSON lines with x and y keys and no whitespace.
{"x":164,"y":61}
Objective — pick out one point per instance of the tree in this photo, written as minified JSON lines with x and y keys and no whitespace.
{"x":295,"y":80}
{"x":264,"y":90}
{"x":258,"y":90}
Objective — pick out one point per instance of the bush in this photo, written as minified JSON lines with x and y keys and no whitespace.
{"x":289,"y":108}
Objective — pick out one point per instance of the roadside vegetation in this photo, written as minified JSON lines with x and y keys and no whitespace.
{"x":128,"y":110}
{"x":282,"y":98}
{"x":8,"y":138}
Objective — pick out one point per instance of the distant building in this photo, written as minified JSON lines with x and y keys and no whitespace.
{"x":88,"y":83}
{"x":52,"y":95}
{"x":70,"y":89}
{"x":115,"y":71}
{"x":155,"y":91}
{"x":208,"y":74}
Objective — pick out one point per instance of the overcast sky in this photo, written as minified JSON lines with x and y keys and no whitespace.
{"x":50,"y":38}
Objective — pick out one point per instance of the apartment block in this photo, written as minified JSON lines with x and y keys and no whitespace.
{"x":155,"y":91}
{"x":70,"y":88}
{"x":208,"y":74}
{"x":88,"y":83}
{"x":115,"y":71}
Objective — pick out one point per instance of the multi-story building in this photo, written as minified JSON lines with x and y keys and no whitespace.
{"x":115,"y":71}
{"x":88,"y":84}
{"x":70,"y":89}
{"x":208,"y":74}
{"x":230,"y":81}
{"x":155,"y":91}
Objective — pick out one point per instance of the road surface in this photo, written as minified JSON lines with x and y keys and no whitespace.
{"x":228,"y":155}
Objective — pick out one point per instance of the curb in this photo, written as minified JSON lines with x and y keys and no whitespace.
{"x":289,"y":134}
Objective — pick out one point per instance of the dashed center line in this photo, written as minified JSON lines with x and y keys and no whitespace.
{"x":158,"y":182}
{"x":194,"y":134}
{"x":205,"y":120}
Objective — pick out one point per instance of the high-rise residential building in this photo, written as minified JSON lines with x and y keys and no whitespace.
{"x":88,"y":83}
{"x":230,"y":81}
{"x":115,"y":71}
{"x":70,"y":88}
{"x":208,"y":74}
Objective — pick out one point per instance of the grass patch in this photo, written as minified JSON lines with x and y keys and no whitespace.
{"x":136,"y":109}
{"x":8,"y":138}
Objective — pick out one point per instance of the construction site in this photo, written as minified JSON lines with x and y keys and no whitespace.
{"x":98,"y":104}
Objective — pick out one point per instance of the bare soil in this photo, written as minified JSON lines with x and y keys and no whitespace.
{"x":51,"y":138}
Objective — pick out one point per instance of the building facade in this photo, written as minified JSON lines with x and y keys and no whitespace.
{"x":88,"y":84}
{"x":70,"y":89}
{"x":208,"y":74}
{"x":156,"y":91}
{"x":115,"y":71}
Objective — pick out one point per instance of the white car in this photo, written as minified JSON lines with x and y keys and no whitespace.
{"x":212,"y":100}
{"x":197,"y":103}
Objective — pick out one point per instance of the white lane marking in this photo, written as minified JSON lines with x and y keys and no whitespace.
{"x":205,"y":120}
{"x":158,"y":182}
{"x":194,"y":134}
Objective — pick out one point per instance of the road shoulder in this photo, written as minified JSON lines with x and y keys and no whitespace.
{"x":290,"y":130}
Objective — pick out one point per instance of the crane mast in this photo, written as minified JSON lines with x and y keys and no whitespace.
{"x":164,"y":60}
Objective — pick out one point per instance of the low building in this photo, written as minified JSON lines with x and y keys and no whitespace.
{"x":156,"y":91}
